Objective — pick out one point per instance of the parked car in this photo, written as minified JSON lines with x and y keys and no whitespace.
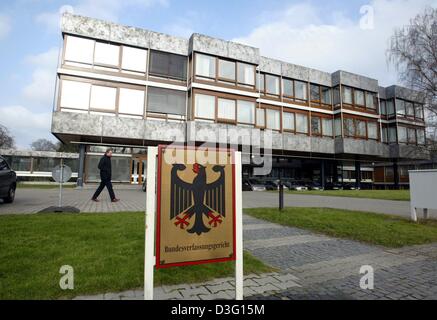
{"x":296,"y":185}
{"x":315,"y":186}
{"x":333,"y":186}
{"x":8,"y":182}
{"x":271,"y":185}
{"x":253,"y":185}
{"x":349,"y":186}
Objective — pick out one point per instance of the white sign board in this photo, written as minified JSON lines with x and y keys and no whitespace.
{"x":423,"y":191}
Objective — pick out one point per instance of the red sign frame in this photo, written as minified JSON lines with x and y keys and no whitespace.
{"x":158,"y":264}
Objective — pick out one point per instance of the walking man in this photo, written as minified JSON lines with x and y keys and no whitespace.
{"x":105,"y":177}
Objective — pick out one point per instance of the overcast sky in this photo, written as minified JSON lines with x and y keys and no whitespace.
{"x":327,"y":35}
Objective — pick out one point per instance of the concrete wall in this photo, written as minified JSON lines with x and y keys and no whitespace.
{"x":361,"y":147}
{"x":222,"y":48}
{"x":401,"y":151}
{"x":404,"y":93}
{"x":103,"y":30}
{"x":354,"y":80}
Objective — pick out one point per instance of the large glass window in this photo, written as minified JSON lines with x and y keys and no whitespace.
{"x":418,"y":110}
{"x":349,"y":127}
{"x":75,"y":95}
{"x":168,"y":65}
{"x":131,"y":101}
{"x":287,"y":87}
{"x":272,"y":84}
{"x":45,"y":164}
{"x":420,"y":136}
{"x":402,"y":134}
{"x":409,"y":108}
{"x":79,"y":50}
{"x":390,"y":107}
{"x":347,"y":95}
{"x":20,"y":163}
{"x":134,"y":59}
{"x":384,"y":137}
{"x":316,"y":128}
{"x":204,"y":106}
{"x":300,"y":88}
{"x":301,"y":123}
{"x":359,"y":97}
{"x":288,"y":121}
{"x":107,"y":54}
{"x":227,"y":69}
{"x":315,"y":92}
{"x":246,"y":112}
{"x":411,"y":135}
{"x":372,"y":128}
{"x":392,"y":134}
{"x":371,"y":100}
{"x":337,"y":127}
{"x":273,"y":119}
{"x":260,"y":117}
{"x":260,"y":77}
{"x":160,"y":100}
{"x":400,"y":107}
{"x":361,"y":128}
{"x":326,"y":95}
{"x":205,"y":66}
{"x":103,"y":98}
{"x":246,"y":73}
{"x":383,"y":107}
{"x":327,"y":126}
{"x":226,"y":109}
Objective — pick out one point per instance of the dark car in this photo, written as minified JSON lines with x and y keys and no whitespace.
{"x":252,"y":185}
{"x":333,"y":186}
{"x":271,"y":185}
{"x":296,"y":185}
{"x":8,"y":182}
{"x":315,"y":186}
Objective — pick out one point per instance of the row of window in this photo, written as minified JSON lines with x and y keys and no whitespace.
{"x":212,"y":108}
{"x":224,"y":70}
{"x":38,"y":164}
{"x":402,"y":134}
{"x":123,"y":100}
{"x":112,"y":57}
{"x":359,"y":98}
{"x":403,"y":108}
{"x":359,"y":128}
{"x":291,"y":89}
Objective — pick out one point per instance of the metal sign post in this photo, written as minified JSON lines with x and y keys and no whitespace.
{"x":238,"y":229}
{"x":61,"y":174}
{"x":60,"y":183}
{"x":149,"y":245}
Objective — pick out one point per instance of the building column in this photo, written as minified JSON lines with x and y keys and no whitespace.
{"x":322,"y":174}
{"x":81,"y":167}
{"x":357,"y":175}
{"x":395,"y":174}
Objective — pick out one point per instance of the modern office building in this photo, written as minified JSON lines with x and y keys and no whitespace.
{"x":130,"y":88}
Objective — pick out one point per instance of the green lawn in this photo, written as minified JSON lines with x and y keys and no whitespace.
{"x":403,"y":195}
{"x":105,"y":250}
{"x":379,"y":229}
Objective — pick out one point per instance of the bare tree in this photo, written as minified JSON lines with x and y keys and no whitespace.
{"x":43,"y":145}
{"x":7,"y":141}
{"x":413,"y":51}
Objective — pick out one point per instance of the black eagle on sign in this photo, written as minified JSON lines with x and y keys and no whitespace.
{"x":197,"y":199}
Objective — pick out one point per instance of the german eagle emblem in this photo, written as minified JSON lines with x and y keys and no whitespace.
{"x":197,"y":199}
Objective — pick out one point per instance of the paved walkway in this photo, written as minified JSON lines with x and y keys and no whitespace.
{"x":314,"y":266}
{"x":133,"y":199}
